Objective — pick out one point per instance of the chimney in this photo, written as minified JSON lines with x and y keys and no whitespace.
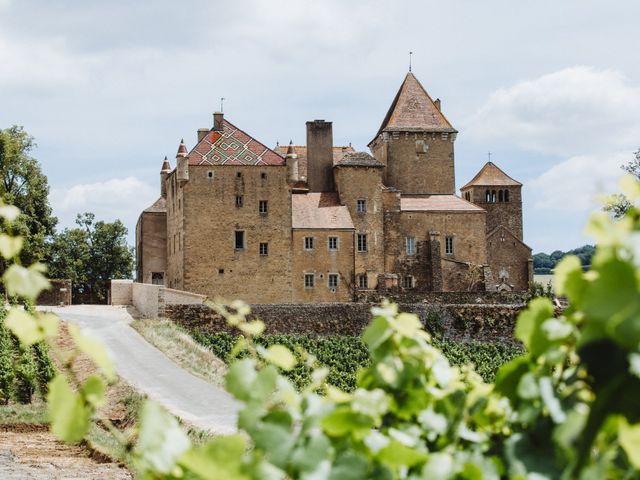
{"x":202,"y":132}
{"x":320,"y":156}
{"x":437,"y":102}
{"x":217,"y":121}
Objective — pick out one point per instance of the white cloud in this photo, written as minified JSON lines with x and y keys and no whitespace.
{"x":118,"y":198}
{"x":575,"y":111}
{"x":572,"y":185}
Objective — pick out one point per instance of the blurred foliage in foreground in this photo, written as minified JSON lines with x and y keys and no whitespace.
{"x":568,"y":408}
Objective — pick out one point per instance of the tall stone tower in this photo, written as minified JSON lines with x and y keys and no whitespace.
{"x":415,"y":142}
{"x":500,"y":195}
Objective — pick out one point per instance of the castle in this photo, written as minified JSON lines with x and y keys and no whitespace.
{"x":320,"y":223}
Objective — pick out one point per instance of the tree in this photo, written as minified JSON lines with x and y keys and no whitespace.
{"x":23,"y":184}
{"x":617,"y":204}
{"x":90,"y":255}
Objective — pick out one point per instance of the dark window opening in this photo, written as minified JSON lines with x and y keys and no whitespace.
{"x":308,"y":243}
{"x":239,"y":201}
{"x":362,"y":281}
{"x":239,"y":240}
{"x":333,"y":280}
{"x":506,"y":195}
{"x":157,"y":278}
{"x":221,"y":271}
{"x":239,"y":174}
{"x":500,"y":196}
{"x":263,"y":175}
{"x":264,"y":248}
{"x":408,"y":281}
{"x":448,"y":245}
{"x":362,"y":242}
{"x":309,"y":280}
{"x":263,"y":207}
{"x":333,"y":243}
{"x":361,"y":206}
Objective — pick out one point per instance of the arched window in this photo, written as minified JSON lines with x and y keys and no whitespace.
{"x":500,"y":198}
{"x":506,"y":195}
{"x":493,"y":196}
{"x":488,"y":196}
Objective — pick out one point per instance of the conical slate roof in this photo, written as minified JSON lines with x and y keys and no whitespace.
{"x":489,"y":176}
{"x":414,"y":110}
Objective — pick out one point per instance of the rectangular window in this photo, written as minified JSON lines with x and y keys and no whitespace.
{"x":333,"y":243}
{"x":308,"y":243}
{"x":263,"y":207}
{"x":309,"y":280}
{"x":361,"y":205}
{"x":362,"y":242}
{"x":408,"y":281}
{"x":239,"y":240}
{"x":239,"y":201}
{"x":264,"y":248}
{"x":333,"y":280}
{"x":410,"y":243}
{"x":362,"y":281}
{"x":448,"y":245}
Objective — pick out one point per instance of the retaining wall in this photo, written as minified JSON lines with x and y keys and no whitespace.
{"x":150,"y":300}
{"x":58,"y":294}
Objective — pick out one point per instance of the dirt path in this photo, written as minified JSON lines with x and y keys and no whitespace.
{"x":29,"y":451}
{"x":148,"y":370}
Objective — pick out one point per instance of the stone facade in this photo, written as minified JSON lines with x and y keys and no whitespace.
{"x":324,"y":224}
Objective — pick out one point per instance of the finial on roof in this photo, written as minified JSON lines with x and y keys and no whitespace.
{"x":277,"y":143}
{"x":182,"y":149}
{"x":166,"y":166}
{"x":290,"y":149}
{"x":489,"y":156}
{"x":410,"y":54}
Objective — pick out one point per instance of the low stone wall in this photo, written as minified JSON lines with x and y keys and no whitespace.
{"x":443,"y":298}
{"x":149,"y":299}
{"x":59,"y":293}
{"x":462,"y":322}
{"x":121,"y":292}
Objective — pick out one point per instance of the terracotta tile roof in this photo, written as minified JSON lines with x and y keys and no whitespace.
{"x":436,"y":203}
{"x":166,"y":166}
{"x":490,"y":175}
{"x":232,"y":146}
{"x":319,"y":211}
{"x":359,"y":159}
{"x":159,"y":206}
{"x":301,"y":152}
{"x":413,"y":110}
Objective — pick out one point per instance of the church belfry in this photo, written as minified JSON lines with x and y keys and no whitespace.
{"x":415,"y":142}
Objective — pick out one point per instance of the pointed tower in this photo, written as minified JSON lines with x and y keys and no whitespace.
{"x":164,"y":173}
{"x":415,"y":142}
{"x":500,"y":195}
{"x":182,"y":163}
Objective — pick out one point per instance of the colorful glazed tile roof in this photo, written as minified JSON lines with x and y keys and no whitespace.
{"x":301,"y":153}
{"x":319,"y":211}
{"x":232,"y":146}
{"x":436,"y":203}
{"x":489,"y":176}
{"x":413,"y":110}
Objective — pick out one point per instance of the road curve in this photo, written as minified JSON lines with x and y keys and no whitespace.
{"x":145,"y":368}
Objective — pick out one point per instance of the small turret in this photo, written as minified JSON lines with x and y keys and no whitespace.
{"x":291,"y":159}
{"x":182,"y":160}
{"x":164,"y":173}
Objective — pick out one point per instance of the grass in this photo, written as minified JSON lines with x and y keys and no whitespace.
{"x":31,"y":414}
{"x":182,"y":349}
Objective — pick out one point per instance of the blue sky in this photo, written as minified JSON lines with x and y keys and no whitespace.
{"x":551,"y":88}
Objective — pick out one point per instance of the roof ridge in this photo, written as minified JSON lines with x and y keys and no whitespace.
{"x":484,"y":170}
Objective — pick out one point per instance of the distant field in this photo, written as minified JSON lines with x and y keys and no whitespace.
{"x":543,"y":279}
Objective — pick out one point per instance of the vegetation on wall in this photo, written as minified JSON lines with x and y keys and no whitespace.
{"x":559,"y":411}
{"x":90,"y":255}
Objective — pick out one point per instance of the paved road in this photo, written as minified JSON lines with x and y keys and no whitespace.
{"x":144,"y":367}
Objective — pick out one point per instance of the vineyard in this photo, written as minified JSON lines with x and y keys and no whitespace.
{"x":344,"y":356}
{"x":24,"y":372}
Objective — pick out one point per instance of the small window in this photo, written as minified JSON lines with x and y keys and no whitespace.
{"x":333,"y":243}
{"x":239,"y":201}
{"x":264,"y":248}
{"x":361,"y":205}
{"x":362,"y":242}
{"x":487,"y":196}
{"x":410,"y":243}
{"x":309,"y":280}
{"x":239,"y":240}
{"x":500,"y":196}
{"x":362,"y":281}
{"x":408,"y":282}
{"x":263,"y":176}
{"x":239,"y":175}
{"x":263,"y":207}
{"x":157,"y":278}
{"x":308,"y":243}
{"x":333,"y":280}
{"x":210,"y":174}
{"x":448,"y":245}
{"x":493,"y":196}
{"x":221,"y":271}
{"x":506,"y":195}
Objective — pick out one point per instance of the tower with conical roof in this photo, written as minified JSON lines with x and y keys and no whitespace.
{"x":415,"y":142}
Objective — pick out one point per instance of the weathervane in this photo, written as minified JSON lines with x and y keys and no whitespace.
{"x":222,"y":99}
{"x":410,"y":53}
{"x":489,"y":155}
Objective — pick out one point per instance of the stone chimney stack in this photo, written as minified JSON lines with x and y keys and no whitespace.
{"x":202,"y":132}
{"x":320,"y":156}
{"x":437,"y":103}
{"x":217,"y":121}
{"x":164,"y":173}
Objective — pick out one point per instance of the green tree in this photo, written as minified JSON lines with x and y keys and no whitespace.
{"x":618,"y":204}
{"x":90,"y":255}
{"x":23,"y":184}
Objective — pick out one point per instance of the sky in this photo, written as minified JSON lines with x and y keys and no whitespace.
{"x":550,"y":88}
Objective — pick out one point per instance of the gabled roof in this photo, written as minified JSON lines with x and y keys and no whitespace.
{"x":359,"y":159}
{"x":413,"y":110}
{"x":511,"y":234}
{"x":159,"y":206}
{"x":301,"y":154}
{"x":319,"y":211}
{"x":232,"y":146}
{"x":437,"y":203}
{"x":489,"y":176}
